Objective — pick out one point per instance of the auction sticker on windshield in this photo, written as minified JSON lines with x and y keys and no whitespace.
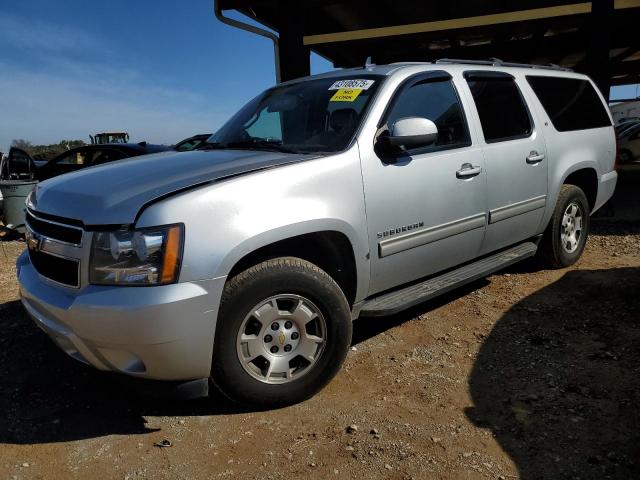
{"x":362,"y":84}
{"x":346,"y":95}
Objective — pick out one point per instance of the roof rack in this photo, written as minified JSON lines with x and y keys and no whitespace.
{"x":496,"y":62}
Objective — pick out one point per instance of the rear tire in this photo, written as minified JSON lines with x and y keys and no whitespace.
{"x":283,"y":332}
{"x":566,"y":235}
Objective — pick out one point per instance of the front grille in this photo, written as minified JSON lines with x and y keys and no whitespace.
{"x":54,"y":230}
{"x":61,"y":270}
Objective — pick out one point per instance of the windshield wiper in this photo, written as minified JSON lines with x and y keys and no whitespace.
{"x":261,"y":144}
{"x":253,"y":144}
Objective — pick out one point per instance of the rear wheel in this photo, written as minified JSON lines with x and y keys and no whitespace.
{"x":283,"y":331}
{"x":566,"y":235}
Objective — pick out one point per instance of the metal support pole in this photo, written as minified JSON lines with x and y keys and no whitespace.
{"x":600,"y":31}
{"x":293,"y":53}
{"x":250,"y":28}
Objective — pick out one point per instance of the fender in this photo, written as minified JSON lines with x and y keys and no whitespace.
{"x":285,"y":232}
{"x":224,"y":221}
{"x":557,"y":178}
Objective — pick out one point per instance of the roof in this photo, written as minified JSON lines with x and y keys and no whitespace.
{"x":528,"y":31}
{"x":446,"y":65}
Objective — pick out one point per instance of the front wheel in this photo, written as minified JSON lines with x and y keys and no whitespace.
{"x":566,"y":235}
{"x":283,"y":332}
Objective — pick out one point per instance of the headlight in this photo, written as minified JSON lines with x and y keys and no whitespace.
{"x":149,"y":256}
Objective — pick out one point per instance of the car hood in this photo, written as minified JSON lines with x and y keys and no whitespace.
{"x":114,"y":193}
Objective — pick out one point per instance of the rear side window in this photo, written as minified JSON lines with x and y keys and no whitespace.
{"x":571,"y":103}
{"x":436,"y":100}
{"x":503,"y":113}
{"x":77,"y":157}
{"x":106,"y":156}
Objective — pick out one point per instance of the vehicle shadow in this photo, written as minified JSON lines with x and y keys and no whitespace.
{"x":46,"y":396}
{"x":557,"y":381}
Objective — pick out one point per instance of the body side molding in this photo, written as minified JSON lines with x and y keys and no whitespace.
{"x":508,"y":211}
{"x":428,"y":235}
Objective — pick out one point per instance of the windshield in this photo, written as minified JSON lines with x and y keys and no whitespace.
{"x":312,"y":116}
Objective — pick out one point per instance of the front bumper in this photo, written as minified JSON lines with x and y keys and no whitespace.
{"x":163,"y":333}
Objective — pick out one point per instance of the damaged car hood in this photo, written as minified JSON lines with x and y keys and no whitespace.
{"x":115,"y":193}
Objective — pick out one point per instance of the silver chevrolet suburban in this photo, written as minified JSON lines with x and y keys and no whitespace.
{"x":358,"y":192}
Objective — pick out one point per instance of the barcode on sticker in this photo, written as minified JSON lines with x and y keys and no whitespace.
{"x":355,"y":83}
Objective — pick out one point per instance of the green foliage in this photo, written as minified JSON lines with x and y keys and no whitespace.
{"x":46,"y":152}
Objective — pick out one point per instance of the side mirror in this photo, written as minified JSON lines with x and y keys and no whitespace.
{"x":408,"y":133}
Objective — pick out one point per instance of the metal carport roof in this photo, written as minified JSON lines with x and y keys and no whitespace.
{"x":599,"y":38}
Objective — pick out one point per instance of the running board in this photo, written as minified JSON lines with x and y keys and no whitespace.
{"x":393,"y":302}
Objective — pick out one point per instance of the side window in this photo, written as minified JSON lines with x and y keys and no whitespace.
{"x":503,"y":113}
{"x":571,"y":103}
{"x":435,"y":100}
{"x":188,"y":146}
{"x":78,"y":157}
{"x":105,"y":156}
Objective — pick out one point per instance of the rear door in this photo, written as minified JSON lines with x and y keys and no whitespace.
{"x":515,"y":156}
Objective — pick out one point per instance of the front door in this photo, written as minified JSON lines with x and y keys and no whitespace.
{"x":18,"y":166}
{"x":426,"y":209}
{"x":67,"y":162}
{"x":515,"y":156}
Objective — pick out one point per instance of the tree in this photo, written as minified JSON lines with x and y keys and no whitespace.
{"x":46,"y":152}
{"x":21,"y":144}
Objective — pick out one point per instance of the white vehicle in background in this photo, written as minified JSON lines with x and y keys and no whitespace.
{"x":625,"y":111}
{"x":623,"y":127}
{"x":629,"y":144}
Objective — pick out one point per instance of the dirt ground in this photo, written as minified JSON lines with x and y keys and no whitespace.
{"x":528,"y":374}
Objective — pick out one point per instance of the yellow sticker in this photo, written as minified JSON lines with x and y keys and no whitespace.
{"x":345,"y":95}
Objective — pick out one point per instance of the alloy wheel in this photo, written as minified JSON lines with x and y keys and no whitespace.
{"x":281,"y":338}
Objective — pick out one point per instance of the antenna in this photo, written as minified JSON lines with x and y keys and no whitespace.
{"x":368,"y":63}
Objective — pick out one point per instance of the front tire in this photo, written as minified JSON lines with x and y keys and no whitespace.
{"x":283,"y":332}
{"x":566,"y":235}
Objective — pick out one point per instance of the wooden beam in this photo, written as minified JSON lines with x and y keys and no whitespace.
{"x":465,"y":22}
{"x":439,"y":25}
{"x":622,"y":4}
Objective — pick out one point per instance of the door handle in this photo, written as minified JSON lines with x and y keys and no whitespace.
{"x":535,"y":157}
{"x":467,"y":170}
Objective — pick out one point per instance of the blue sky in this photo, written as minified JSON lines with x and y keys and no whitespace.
{"x":161,"y":70}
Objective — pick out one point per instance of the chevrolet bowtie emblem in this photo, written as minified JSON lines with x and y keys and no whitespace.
{"x":281,"y":338}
